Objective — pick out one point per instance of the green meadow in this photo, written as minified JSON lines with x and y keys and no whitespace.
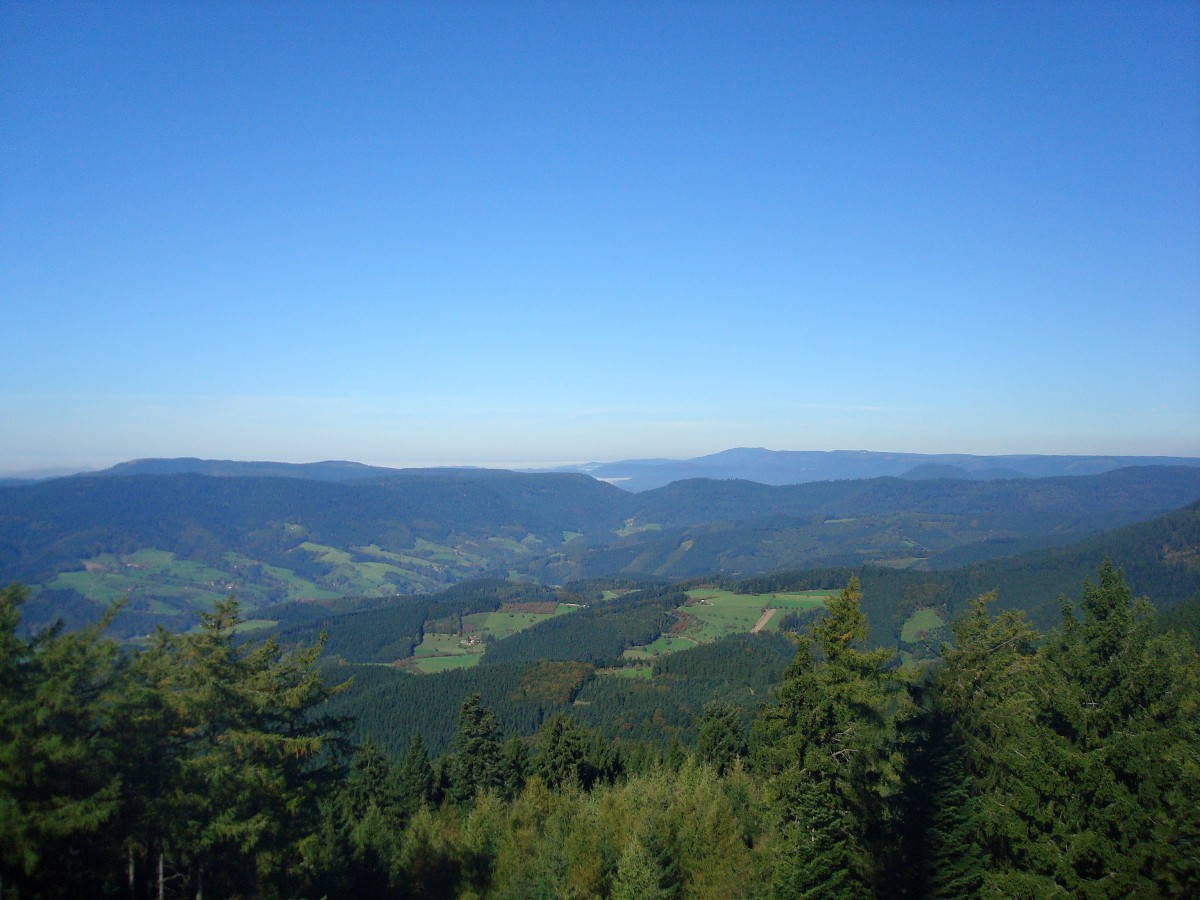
{"x":713,"y":613}
{"x":438,"y":652}
{"x":920,"y":624}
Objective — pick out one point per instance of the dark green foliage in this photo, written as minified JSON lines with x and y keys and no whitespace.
{"x":1185,"y":619}
{"x":1073,"y":763}
{"x":474,"y":763}
{"x":834,"y":747}
{"x":391,"y":707}
{"x":195,"y":758}
{"x":245,"y":755}
{"x":598,"y":634}
{"x":721,"y":740}
{"x":486,"y":595}
{"x":739,"y":670}
{"x":515,"y":767}
{"x":417,"y":785}
{"x":374,"y":635}
{"x":562,"y":754}
{"x":756,"y":660}
{"x":1063,"y":765}
{"x":59,"y":779}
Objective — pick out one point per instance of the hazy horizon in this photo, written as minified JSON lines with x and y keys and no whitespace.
{"x":55,"y":471}
{"x":473,"y":233}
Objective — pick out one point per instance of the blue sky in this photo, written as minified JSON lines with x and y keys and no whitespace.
{"x":525,"y":232}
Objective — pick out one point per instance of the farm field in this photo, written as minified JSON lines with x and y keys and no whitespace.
{"x":713,"y":613}
{"x":723,"y":612}
{"x":167,"y":582}
{"x":431,"y":665}
{"x":919,"y":625}
{"x":639,"y":673}
{"x":438,"y":652}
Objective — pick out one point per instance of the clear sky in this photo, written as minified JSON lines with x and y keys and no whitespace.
{"x":528,"y":232}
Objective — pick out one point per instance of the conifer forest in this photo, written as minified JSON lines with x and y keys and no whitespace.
{"x":1023,"y":763}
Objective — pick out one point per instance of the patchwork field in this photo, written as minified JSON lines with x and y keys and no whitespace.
{"x":160,"y":582}
{"x":713,"y":613}
{"x":920,"y":624}
{"x":438,"y":652}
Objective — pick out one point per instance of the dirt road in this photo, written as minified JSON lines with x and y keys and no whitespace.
{"x":762,"y":621}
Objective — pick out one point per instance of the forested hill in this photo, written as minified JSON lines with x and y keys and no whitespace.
{"x":1085,"y":503}
{"x":203,"y":516}
{"x":329,"y":470}
{"x":174,"y":544}
{"x":1160,"y":559}
{"x":802,"y":466}
{"x":744,"y":463}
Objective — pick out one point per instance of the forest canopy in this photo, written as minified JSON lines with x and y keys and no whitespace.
{"x":1023,"y":764}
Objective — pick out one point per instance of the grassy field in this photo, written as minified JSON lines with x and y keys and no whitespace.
{"x":641,"y":673}
{"x":631,"y":527}
{"x":501,"y":624}
{"x":612,"y":595}
{"x":712,"y":613}
{"x":435,"y":644}
{"x":724,"y":612}
{"x":168,"y":584}
{"x":255,"y":625}
{"x":439,"y":652}
{"x":668,"y":643}
{"x":431,"y":665}
{"x":400,"y":559}
{"x":920,"y":623}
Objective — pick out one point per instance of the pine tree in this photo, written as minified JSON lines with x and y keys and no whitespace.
{"x":639,"y":875}
{"x":416,"y":778}
{"x":514,"y":767}
{"x":474,"y":764}
{"x":561,"y":759}
{"x":246,"y":756}
{"x":721,"y":741}
{"x":59,"y":784}
{"x":1123,"y":714}
{"x":1074,"y":763}
{"x":834,"y":747}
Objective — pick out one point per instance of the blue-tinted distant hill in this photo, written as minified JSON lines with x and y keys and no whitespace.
{"x":329,"y":470}
{"x":801,"y":466}
{"x":174,"y":543}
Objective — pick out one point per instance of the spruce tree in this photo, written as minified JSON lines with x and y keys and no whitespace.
{"x":247,"y":757}
{"x":833,"y":746}
{"x":1073,"y":763}
{"x":474,"y":764}
{"x":416,"y":778}
{"x":721,"y":741}
{"x":59,"y":782}
{"x":562,"y":754}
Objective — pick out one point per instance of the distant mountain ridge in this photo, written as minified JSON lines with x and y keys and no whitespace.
{"x":773,"y":467}
{"x":175,"y":543}
{"x":336,"y":470}
{"x":802,"y":466}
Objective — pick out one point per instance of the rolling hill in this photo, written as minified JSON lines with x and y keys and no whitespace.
{"x":803,"y":466}
{"x":174,"y":543}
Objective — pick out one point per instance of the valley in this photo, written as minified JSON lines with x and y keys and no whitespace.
{"x":174,"y":543}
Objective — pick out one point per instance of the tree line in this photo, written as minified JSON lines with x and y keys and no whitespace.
{"x":1025,"y":764}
